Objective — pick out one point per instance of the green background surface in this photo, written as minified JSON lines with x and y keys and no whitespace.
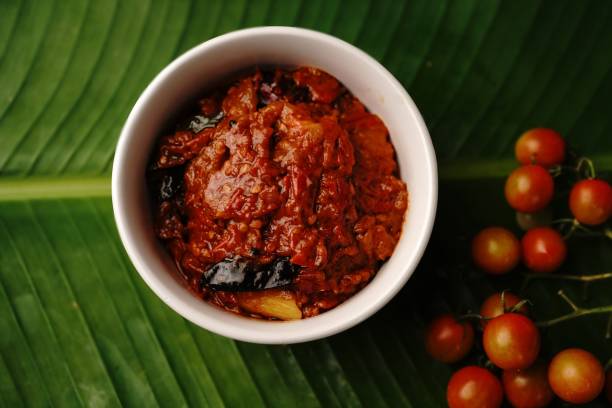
{"x":77,"y":324}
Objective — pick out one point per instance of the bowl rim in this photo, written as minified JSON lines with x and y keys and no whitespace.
{"x":304,"y":333}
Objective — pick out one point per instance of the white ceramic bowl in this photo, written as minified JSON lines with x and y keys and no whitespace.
{"x":218,"y":59}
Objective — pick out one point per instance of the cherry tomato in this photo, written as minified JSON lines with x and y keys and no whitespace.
{"x":576,"y":376}
{"x":528,"y":388}
{"x":474,"y":387}
{"x":609,"y":386}
{"x":591,"y":201}
{"x":449,"y":340}
{"x":540,"y":146}
{"x":544,"y":249}
{"x":496,"y":250}
{"x":529,"y":188}
{"x":511,"y":341}
{"x":493,"y":307}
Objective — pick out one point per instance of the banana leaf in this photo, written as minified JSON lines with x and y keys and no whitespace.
{"x":78,"y":327}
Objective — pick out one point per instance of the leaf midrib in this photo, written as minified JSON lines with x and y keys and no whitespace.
{"x":37,"y":188}
{"x":41,"y":188}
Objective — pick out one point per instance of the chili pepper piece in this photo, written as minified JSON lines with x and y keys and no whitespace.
{"x":239,"y":274}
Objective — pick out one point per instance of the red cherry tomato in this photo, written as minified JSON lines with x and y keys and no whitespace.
{"x":493,"y":307}
{"x":528,"y":388}
{"x":576,"y":376}
{"x":529,"y":188}
{"x":540,"y":146}
{"x":511,"y":341}
{"x":591,"y":201}
{"x":496,"y":250}
{"x":474,"y":387}
{"x":449,"y":340}
{"x":544,"y":249}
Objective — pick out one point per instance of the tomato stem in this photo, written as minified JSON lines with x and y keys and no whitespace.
{"x":556,"y":171}
{"x":568,"y":300}
{"x":584,"y":168}
{"x":468,"y":316}
{"x":503,"y":300}
{"x":575,"y":226}
{"x":577,"y":312}
{"x":590,"y":169}
{"x":516,"y":308}
{"x":564,"y":223}
{"x":588,"y":232}
{"x":528,"y":277}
